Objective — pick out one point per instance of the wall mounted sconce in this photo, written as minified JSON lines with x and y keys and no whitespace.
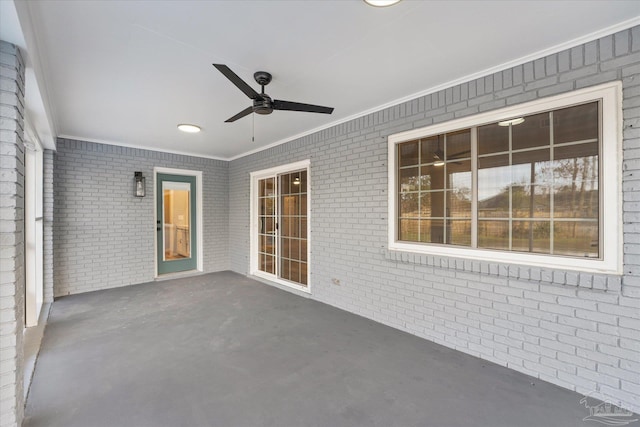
{"x":139,"y":182}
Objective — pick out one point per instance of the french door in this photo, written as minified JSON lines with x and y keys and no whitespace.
{"x":280,"y":232}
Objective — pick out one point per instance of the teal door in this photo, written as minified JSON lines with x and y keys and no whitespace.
{"x":176,"y":223}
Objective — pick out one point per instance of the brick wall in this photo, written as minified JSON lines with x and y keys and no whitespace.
{"x":47,"y":233}
{"x":578,"y":330}
{"x":103,"y":235}
{"x":12,"y":273}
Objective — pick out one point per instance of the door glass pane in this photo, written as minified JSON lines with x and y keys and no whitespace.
{"x":267,"y":224}
{"x":176,"y":220}
{"x":293,"y":224}
{"x":282,"y":228}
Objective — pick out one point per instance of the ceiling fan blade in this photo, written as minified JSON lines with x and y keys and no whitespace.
{"x":460,"y":154}
{"x":297,"y":106}
{"x":240,"y":115}
{"x":241,"y":84}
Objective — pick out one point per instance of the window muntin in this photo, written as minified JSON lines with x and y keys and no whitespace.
{"x":536,"y":185}
{"x":280,"y":218}
{"x":293,"y":233}
{"x":267,"y":225}
{"x":435,"y":189}
{"x":609,"y":194}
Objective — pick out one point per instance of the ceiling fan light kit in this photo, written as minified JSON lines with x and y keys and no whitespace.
{"x":262,"y":103}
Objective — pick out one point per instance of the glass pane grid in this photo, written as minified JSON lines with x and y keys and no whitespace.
{"x":537,"y":185}
{"x":435,"y":188}
{"x":267,"y":225}
{"x":282,"y":244}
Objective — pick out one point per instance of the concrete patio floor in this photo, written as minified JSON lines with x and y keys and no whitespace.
{"x":224,"y":350}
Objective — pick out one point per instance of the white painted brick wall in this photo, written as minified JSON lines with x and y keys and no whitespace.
{"x":103,"y":235}
{"x":47,"y":211}
{"x":578,"y":330}
{"x":12,"y":275}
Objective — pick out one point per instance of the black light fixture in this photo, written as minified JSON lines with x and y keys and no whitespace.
{"x":139,"y":184}
{"x":296,"y":180}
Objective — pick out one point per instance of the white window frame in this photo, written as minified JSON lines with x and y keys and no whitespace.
{"x":253,"y":212}
{"x":610,"y":261}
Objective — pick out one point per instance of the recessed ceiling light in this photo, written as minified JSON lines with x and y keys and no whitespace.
{"x":511,"y":122}
{"x":189,"y":128}
{"x":381,"y":3}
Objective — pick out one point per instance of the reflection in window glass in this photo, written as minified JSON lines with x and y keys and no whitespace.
{"x":576,"y":238}
{"x":267,"y":225}
{"x":459,"y":232}
{"x":493,"y":139}
{"x":176,"y":217}
{"x":493,"y":234}
{"x":293,"y":223}
{"x":578,"y":123}
{"x":530,"y":236}
{"x":494,"y":180}
{"x":440,"y":193}
{"x":537,"y":185}
{"x":533,"y":132}
{"x":409,"y":153}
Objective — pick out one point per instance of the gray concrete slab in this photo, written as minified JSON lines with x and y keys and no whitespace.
{"x":223,"y":350}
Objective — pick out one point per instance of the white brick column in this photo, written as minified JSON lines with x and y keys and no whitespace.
{"x":48,"y":226}
{"x":12,"y":274}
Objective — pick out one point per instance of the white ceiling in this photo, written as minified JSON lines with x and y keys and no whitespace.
{"x":127,"y":72}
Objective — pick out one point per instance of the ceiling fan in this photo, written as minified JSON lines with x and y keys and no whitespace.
{"x":262,"y":103}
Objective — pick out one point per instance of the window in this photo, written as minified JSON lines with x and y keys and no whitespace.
{"x":279,"y":232}
{"x":536,"y":184}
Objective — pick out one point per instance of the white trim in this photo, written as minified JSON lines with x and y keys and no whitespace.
{"x":611,"y":180}
{"x":29,"y":23}
{"x":33,"y":232}
{"x":253,"y":233}
{"x":199,"y":222}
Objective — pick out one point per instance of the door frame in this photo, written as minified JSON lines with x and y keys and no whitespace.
{"x":254,"y":223}
{"x":199,"y":231}
{"x":33,"y":228}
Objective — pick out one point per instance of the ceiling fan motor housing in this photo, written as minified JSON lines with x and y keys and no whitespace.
{"x":263,"y":106}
